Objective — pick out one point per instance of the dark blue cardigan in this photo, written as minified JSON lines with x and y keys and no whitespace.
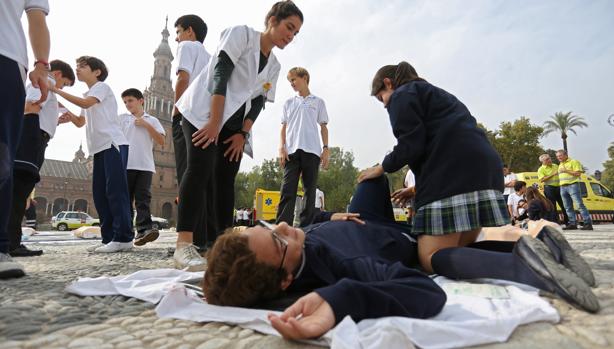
{"x":441,"y":142}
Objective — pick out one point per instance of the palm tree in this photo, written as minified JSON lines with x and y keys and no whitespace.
{"x":564,"y":123}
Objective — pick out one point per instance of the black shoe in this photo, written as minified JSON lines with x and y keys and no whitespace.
{"x":146,"y":236}
{"x":588,"y":226}
{"x":568,"y":256}
{"x":23,"y":251}
{"x":559,"y":279}
{"x":570,"y":227}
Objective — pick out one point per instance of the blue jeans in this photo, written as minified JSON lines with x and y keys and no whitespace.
{"x":12,"y":99}
{"x":111,"y":198}
{"x":572,"y":192}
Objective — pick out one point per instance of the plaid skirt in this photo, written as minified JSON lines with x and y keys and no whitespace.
{"x":463,"y":212}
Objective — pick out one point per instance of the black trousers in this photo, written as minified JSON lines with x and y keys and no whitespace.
{"x":28,"y":161}
{"x":307,"y":166}
{"x":224,"y":182}
{"x":196,"y":211}
{"x":179,"y":142}
{"x":139,"y":189}
{"x":553,"y":193}
{"x":12,"y":98}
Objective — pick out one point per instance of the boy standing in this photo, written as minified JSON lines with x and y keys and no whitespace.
{"x":192,"y":58}
{"x":107,"y":142}
{"x":300,"y":151}
{"x":141,"y":130}
{"x":39,"y":125}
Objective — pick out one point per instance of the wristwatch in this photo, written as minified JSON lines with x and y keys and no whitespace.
{"x":245,"y":134}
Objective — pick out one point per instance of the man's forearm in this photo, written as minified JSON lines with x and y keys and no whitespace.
{"x":39,"y":35}
{"x":84,"y":103}
{"x":324,"y":134}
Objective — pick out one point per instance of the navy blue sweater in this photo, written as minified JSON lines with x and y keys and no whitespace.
{"x":441,"y":142}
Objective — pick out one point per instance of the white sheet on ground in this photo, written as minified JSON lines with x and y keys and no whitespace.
{"x":474,"y":313}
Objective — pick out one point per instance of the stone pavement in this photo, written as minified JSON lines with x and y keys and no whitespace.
{"x":35,"y":312}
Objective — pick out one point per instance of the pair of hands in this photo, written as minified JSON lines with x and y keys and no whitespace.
{"x":284,"y":157}
{"x":209,"y":135}
{"x":309,"y":317}
{"x":402,"y":196}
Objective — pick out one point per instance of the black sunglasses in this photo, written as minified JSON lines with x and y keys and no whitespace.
{"x":277,"y":238}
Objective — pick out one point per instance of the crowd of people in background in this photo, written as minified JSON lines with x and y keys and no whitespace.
{"x":561,"y":186}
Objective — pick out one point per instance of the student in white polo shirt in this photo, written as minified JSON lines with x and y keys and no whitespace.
{"x":39,"y":124}
{"x":13,"y":68}
{"x":192,"y":58}
{"x":142,"y":131}
{"x":219,"y":109}
{"x":300,"y":151}
{"x":108,"y":144}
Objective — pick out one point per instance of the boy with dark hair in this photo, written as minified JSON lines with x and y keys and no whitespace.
{"x":108,"y":144}
{"x":39,"y":125}
{"x":192,"y":58}
{"x":514,"y":199}
{"x":366,"y":268}
{"x":300,"y":151}
{"x":141,"y":130}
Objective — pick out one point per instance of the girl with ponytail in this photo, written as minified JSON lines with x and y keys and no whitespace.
{"x":459,"y":190}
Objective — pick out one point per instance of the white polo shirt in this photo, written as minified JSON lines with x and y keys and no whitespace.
{"x":319,"y":198}
{"x":103,"y":127}
{"x":12,"y":37}
{"x":192,"y":58}
{"x":410,"y":179}
{"x":302,"y":116}
{"x":510,"y":177}
{"x":140,"y":154}
{"x":242,"y":45}
{"x":513,"y":200}
{"x":48,"y":115}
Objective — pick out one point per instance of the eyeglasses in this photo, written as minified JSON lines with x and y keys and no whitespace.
{"x":278,"y":239}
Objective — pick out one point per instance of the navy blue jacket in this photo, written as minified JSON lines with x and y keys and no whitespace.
{"x":364,"y":271}
{"x":442,"y":144}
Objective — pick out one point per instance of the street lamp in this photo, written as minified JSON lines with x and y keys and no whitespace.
{"x":65,"y":199}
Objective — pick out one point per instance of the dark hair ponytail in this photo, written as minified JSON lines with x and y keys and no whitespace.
{"x":282,"y":10}
{"x":399,"y":74}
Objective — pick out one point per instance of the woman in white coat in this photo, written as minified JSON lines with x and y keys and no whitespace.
{"x":219,"y":109}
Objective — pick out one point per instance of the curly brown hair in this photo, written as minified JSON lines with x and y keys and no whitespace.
{"x":234,"y":276}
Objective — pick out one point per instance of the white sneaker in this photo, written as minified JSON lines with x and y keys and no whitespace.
{"x":188,"y":258}
{"x":94,"y":247}
{"x":114,"y":246}
{"x":9,"y":268}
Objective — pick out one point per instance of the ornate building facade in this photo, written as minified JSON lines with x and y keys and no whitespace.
{"x":67,"y":185}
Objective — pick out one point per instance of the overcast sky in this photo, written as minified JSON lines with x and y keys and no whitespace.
{"x":503,"y":59}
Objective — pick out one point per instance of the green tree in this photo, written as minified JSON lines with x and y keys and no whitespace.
{"x":518,"y":144}
{"x":271,"y":175}
{"x":339,"y":180}
{"x":563,"y":123}
{"x":607,"y":176}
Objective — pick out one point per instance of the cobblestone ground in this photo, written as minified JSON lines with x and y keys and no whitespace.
{"x":35,"y":312}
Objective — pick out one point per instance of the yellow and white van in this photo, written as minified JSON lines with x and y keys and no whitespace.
{"x":598,"y":198}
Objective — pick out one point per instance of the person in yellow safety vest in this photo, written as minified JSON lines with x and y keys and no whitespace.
{"x":548,"y":175}
{"x":570,"y":171}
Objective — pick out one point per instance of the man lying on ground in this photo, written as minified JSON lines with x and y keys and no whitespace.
{"x":362,"y":270}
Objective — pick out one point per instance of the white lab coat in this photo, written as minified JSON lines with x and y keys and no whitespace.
{"x":242,"y":44}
